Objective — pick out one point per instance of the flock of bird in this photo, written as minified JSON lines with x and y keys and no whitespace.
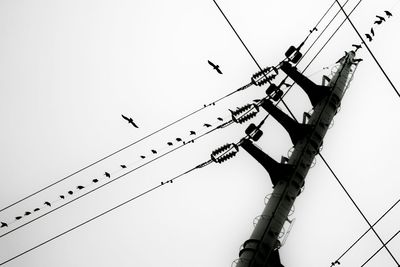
{"x":378,"y":21}
{"x":47,"y":204}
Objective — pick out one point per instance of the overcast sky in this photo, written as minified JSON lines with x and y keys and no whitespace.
{"x":69,"y":69}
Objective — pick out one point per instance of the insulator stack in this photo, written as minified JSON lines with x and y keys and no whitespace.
{"x":224,"y":153}
{"x":258,"y":74}
{"x":264,"y":79}
{"x":244,"y":113}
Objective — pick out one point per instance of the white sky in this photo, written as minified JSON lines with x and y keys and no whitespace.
{"x":69,"y":69}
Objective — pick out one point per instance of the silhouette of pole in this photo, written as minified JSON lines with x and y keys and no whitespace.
{"x":261,"y":249}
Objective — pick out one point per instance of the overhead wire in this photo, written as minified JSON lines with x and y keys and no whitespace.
{"x":123,"y":148}
{"x":376,"y":222}
{"x":102,"y":214}
{"x":369,"y":50}
{"x":223,"y":125}
{"x":357,"y":207}
{"x":387,"y":242}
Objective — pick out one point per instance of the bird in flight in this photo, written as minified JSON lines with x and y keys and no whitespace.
{"x":388,"y":14}
{"x":216,"y":67}
{"x":3,"y":224}
{"x":129,"y":120}
{"x":368,"y":37}
{"x":381,"y":19}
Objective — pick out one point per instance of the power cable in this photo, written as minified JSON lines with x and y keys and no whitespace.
{"x":381,"y":249}
{"x":117,"y":178}
{"x":125,"y":147}
{"x":352,"y":245}
{"x":369,"y":50}
{"x":103,"y":213}
{"x":355,"y":204}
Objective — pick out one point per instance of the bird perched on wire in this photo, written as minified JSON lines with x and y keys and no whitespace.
{"x":192,"y":133}
{"x":123,"y":166}
{"x":356,"y":46}
{"x":153,"y":151}
{"x":27,"y":213}
{"x":37,"y":209}
{"x":368,"y":37}
{"x":129,"y":120}
{"x":47,"y":203}
{"x":372,"y":32}
{"x":95,"y":180}
{"x":207,"y":125}
{"x":388,"y":14}
{"x":216,"y":67}
{"x":107,"y":174}
{"x":80,"y":187}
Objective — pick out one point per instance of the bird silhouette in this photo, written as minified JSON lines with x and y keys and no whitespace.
{"x":356,"y":46}
{"x":95,"y":180}
{"x":123,"y":166}
{"x":381,"y":19}
{"x":62,"y":196}
{"x":216,"y":67}
{"x":107,"y":174}
{"x":47,"y":203}
{"x":378,"y":22}
{"x":18,"y":218}
{"x":388,"y":14}
{"x":170,"y":143}
{"x":27,"y":213}
{"x":220,"y":119}
{"x":368,"y":37}
{"x":178,"y":139}
{"x":153,"y":151}
{"x":372,"y":32}
{"x":207,"y":125}
{"x":192,"y":133}
{"x":3,"y":224}
{"x":142,"y":156}
{"x":130,"y":120}
{"x":80,"y":187}
{"x":70,"y":192}
{"x":37,"y":209}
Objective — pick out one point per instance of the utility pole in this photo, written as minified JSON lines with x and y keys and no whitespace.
{"x":262,"y":248}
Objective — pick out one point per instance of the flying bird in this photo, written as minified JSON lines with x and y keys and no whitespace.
{"x":70,"y":192}
{"x":388,"y":14}
{"x":216,"y":67}
{"x":27,"y":213}
{"x":207,"y":125}
{"x":123,"y":166}
{"x":381,"y":19}
{"x":368,"y":37}
{"x":192,"y":133}
{"x":153,"y":151}
{"x":3,"y":224}
{"x":107,"y":174}
{"x":130,"y":120}
{"x":170,"y":143}
{"x":47,"y":203}
{"x":372,"y":32}
{"x":80,"y":187}
{"x":356,"y":46}
{"x":95,"y":180}
{"x":62,"y":196}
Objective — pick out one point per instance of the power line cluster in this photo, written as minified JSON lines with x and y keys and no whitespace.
{"x":277,"y":94}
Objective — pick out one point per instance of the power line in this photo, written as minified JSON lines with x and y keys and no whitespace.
{"x":369,"y":50}
{"x":352,"y":245}
{"x":355,"y":204}
{"x":101,"y":214}
{"x":125,"y":147}
{"x":381,"y":249}
{"x":117,"y":178}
